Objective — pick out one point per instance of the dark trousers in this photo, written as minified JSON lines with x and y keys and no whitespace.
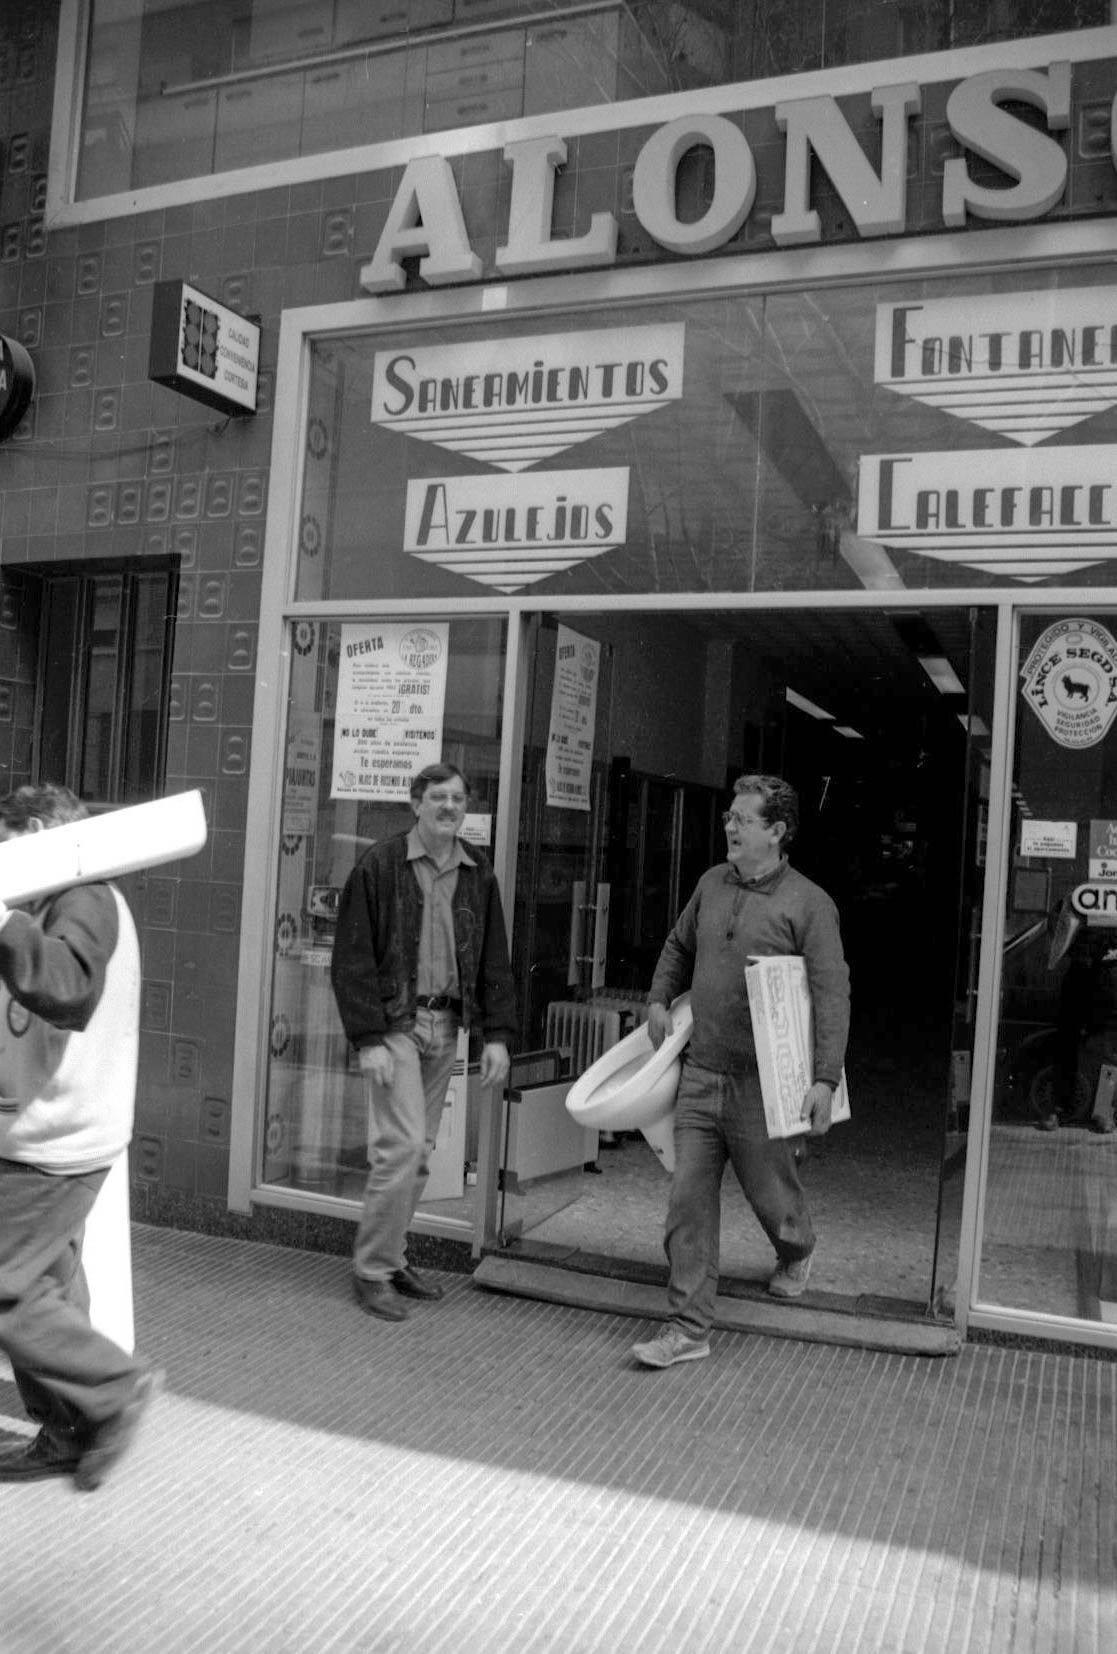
{"x":70,"y":1376}
{"x":719,"y":1118}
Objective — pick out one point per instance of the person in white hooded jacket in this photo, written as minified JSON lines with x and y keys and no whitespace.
{"x":69,"y":1035}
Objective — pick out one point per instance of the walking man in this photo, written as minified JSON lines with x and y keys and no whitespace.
{"x":420,"y":950}
{"x":69,"y":1039}
{"x":753,"y":904}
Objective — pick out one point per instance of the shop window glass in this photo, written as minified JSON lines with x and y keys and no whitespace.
{"x":344,"y":726}
{"x":101,"y":726}
{"x":1050,"y":1232}
{"x":848,"y":438}
{"x":181,"y":91}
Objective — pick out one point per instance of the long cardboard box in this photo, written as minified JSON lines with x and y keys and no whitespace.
{"x":780,"y":1006}
{"x":102,"y":847}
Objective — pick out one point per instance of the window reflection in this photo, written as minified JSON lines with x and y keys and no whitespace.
{"x":1050,"y":1244}
{"x":180,"y":91}
{"x":315,"y":1135}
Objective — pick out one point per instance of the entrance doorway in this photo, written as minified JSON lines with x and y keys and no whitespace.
{"x":880,"y":718}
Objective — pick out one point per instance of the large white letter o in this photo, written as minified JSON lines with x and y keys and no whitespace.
{"x":653,"y":183}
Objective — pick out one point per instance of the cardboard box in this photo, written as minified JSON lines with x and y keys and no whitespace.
{"x":780,"y":1006}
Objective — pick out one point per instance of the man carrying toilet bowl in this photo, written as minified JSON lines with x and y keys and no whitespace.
{"x":753,"y":904}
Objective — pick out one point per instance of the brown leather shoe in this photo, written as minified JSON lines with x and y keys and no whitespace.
{"x":379,"y":1298}
{"x":37,"y":1459}
{"x":413,"y":1285}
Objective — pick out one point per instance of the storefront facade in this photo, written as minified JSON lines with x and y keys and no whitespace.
{"x":608,"y":450}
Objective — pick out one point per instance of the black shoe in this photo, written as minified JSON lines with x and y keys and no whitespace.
{"x":412,"y":1285}
{"x":112,"y":1438}
{"x":37,"y":1459}
{"x":379,"y":1298}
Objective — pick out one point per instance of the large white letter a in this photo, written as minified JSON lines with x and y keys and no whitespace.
{"x":424,"y":221}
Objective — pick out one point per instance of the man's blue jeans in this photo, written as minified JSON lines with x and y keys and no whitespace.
{"x":719,"y":1118}
{"x":404,"y":1120}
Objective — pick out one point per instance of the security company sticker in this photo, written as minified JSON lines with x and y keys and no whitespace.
{"x":1070,"y":681}
{"x":1103,"y":851}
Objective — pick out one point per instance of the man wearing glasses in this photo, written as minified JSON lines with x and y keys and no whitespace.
{"x":755,"y":903}
{"x":420,"y":950}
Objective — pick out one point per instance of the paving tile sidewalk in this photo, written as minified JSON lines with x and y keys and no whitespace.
{"x":496,"y":1475}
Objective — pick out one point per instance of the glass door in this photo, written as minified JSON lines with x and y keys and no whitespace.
{"x":881,"y":720}
{"x":1049,"y":1237}
{"x":371,"y":702}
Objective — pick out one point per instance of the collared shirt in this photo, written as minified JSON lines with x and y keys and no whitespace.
{"x":438,"y":959}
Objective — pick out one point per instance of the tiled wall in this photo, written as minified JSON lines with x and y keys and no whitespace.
{"x":106,"y":464}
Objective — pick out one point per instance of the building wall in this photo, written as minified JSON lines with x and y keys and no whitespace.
{"x":108,"y":465}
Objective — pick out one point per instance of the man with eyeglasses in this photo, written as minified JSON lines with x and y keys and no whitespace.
{"x":753,"y":904}
{"x":420,"y":950}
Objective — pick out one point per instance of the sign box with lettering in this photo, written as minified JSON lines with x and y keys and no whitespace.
{"x":203,"y":349}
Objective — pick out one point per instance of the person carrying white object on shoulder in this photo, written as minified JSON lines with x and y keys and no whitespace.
{"x":69,"y":1039}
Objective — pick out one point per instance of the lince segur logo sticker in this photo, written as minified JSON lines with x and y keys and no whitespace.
{"x":511,"y":404}
{"x":1070,"y":681}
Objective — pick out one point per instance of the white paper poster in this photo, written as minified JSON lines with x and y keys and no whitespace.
{"x":1057,"y":839}
{"x":573,"y":713}
{"x":391,"y":701}
{"x":300,"y":777}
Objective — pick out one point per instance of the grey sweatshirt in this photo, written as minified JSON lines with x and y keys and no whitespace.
{"x":728,"y":920}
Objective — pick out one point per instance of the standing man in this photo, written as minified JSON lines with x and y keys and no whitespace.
{"x":69,"y":1037}
{"x":754,"y":904}
{"x":420,"y":950}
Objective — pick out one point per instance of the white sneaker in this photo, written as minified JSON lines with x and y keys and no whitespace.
{"x":672,"y":1345}
{"x":790,"y":1279}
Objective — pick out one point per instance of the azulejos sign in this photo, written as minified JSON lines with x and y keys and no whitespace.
{"x":508,"y":532}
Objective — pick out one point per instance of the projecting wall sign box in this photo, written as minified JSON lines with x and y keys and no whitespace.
{"x":203,"y":349}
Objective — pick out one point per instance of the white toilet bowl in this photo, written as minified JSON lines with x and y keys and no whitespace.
{"x":632,"y":1086}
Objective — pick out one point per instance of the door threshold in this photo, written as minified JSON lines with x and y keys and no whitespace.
{"x":616,"y":1286}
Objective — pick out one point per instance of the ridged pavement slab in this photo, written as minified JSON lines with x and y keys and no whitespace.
{"x":497,"y":1475}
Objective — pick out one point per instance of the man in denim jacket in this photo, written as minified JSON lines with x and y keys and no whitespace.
{"x":420,"y":950}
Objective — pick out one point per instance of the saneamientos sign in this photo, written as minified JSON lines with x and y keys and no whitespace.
{"x":514,"y":402}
